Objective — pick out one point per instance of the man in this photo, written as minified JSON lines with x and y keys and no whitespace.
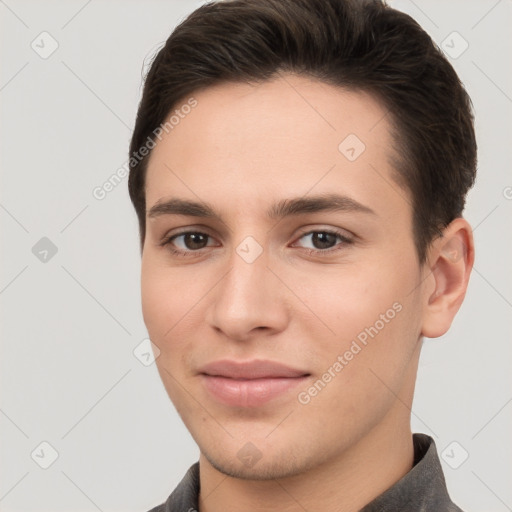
{"x":299,"y":170}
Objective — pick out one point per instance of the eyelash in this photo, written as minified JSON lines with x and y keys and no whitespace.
{"x":312,"y":252}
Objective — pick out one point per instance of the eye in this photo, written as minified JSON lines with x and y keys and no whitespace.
{"x":191,"y":243}
{"x":324,"y":241}
{"x":187,"y":243}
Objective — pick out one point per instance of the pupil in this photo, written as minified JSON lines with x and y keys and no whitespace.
{"x":324,"y":240}
{"x":194,"y":238}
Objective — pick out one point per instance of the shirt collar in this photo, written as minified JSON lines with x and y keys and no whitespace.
{"x":422,"y":489}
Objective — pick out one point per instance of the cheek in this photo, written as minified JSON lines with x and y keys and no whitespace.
{"x":350,"y":298}
{"x":172,"y":302}
{"x":161,"y":304}
{"x":154,"y":301}
{"x":164,"y":309}
{"x":372,"y":316}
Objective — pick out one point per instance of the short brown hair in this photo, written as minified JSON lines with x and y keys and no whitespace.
{"x":354,"y":44}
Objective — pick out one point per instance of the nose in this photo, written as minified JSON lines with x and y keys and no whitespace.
{"x":249,"y":300}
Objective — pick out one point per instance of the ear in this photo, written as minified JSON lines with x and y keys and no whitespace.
{"x":449,"y":263}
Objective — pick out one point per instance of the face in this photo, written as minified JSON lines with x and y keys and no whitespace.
{"x":302,"y":255}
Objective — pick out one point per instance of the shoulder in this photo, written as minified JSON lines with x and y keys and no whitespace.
{"x":159,"y":508}
{"x":185,"y":496}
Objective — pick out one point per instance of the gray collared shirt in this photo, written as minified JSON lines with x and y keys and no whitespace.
{"x":423,"y":489}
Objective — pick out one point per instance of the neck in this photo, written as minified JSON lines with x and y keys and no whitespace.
{"x":345,"y":483}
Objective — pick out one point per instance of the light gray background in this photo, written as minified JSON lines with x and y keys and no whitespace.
{"x":69,"y":325}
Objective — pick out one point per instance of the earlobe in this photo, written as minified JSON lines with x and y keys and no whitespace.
{"x":450,"y":260}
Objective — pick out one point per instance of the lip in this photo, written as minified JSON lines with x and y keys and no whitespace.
{"x":255,"y":369}
{"x":249,"y":383}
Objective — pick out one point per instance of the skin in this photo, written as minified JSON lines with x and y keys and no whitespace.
{"x":241,"y":149}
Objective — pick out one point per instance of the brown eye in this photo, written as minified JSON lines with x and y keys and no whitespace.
{"x":324,"y":241}
{"x":195,"y":240}
{"x":187,"y":243}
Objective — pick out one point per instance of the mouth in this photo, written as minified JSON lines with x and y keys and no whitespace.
{"x":249,"y":384}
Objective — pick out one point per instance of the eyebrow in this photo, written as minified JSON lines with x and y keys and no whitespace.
{"x":281,"y":209}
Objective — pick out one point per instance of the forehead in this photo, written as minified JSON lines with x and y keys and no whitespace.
{"x":282,"y":137}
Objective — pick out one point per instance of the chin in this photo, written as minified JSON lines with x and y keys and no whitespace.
{"x":251,"y":464}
